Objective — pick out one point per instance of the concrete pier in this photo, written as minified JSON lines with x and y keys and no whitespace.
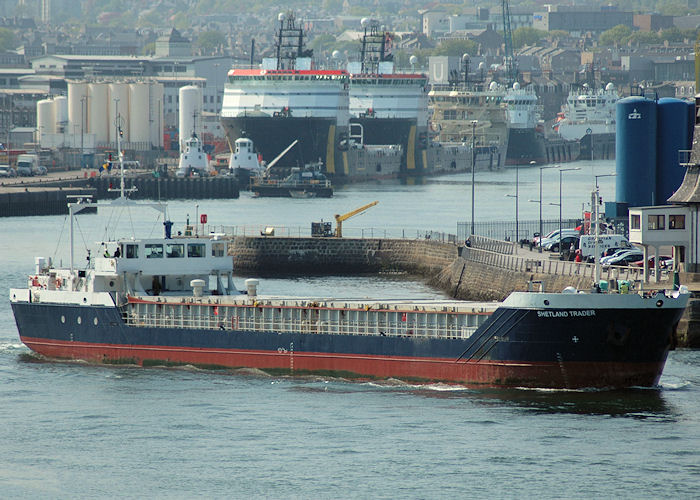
{"x":47,"y":195}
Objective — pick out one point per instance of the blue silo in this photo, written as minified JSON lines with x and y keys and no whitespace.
{"x":635,"y":150}
{"x":672,"y":127}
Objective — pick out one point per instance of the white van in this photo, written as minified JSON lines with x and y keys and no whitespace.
{"x":605,"y":241}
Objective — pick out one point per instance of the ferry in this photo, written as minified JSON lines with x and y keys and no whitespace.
{"x":172,"y":301}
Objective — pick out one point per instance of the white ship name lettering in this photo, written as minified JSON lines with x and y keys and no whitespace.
{"x":565,"y":314}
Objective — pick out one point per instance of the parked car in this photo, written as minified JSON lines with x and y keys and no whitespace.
{"x":617,"y":253}
{"x":664,"y":262}
{"x":39,"y":170}
{"x":24,"y":170}
{"x":570,"y":242}
{"x":625,"y":258}
{"x":7,"y":171}
{"x":554,"y":234}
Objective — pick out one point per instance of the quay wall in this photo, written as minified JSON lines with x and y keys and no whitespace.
{"x":25,"y":202}
{"x":282,"y":255}
{"x":48,"y":197}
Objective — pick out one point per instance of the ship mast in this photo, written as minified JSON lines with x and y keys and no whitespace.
{"x":290,"y":42}
{"x":374,"y":47}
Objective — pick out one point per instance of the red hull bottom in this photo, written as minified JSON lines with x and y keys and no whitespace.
{"x":563,"y":375}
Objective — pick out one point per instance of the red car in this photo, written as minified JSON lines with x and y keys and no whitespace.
{"x":664,"y":262}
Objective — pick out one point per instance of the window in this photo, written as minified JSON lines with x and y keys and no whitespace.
{"x":218,"y":249}
{"x":132,"y":251}
{"x":635,"y":222}
{"x":676,"y":221}
{"x":195,"y":249}
{"x":154,"y":251}
{"x":656,"y":222}
{"x":175,"y":250}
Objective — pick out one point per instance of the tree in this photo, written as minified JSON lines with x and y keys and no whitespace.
{"x":456,"y":48}
{"x":644,"y":38}
{"x":526,"y":35}
{"x":617,"y":35}
{"x":8,"y":40}
{"x":209,"y":41}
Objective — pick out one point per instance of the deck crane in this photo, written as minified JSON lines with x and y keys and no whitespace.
{"x":340,"y":218}
{"x":511,"y":69}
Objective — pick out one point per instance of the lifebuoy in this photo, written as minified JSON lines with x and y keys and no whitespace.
{"x":58,"y":282}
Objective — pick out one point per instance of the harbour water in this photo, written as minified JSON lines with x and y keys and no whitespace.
{"x":79,"y":431}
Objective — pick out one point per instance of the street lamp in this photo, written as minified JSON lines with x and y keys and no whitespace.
{"x":561,"y":171}
{"x":516,"y":211}
{"x":594,"y":209}
{"x":540,"y":202}
{"x":474,"y":122}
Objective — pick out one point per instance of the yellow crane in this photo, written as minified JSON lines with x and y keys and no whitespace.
{"x":340,"y":218}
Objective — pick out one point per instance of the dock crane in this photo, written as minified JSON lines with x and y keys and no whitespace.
{"x":509,"y":57}
{"x":340,"y":218}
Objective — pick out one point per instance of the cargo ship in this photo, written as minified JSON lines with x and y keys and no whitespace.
{"x":171,"y":301}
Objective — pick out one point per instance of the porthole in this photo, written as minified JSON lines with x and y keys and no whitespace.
{"x":80,"y":320}
{"x":659,"y":303}
{"x":546,"y":302}
{"x":63,"y":319}
{"x":95,"y":321}
{"x":111,"y":284}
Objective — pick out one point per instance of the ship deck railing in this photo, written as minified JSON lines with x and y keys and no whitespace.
{"x":292,"y":183}
{"x":308,"y":320}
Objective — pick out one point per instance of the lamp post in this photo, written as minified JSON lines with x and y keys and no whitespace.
{"x":594,"y":214}
{"x":474,"y":122}
{"x":540,"y":202}
{"x":83,"y":113}
{"x":561,"y":171}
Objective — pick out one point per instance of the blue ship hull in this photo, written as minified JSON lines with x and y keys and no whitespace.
{"x":514,"y":347}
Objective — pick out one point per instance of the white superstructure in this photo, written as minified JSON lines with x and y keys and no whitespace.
{"x":299,"y":93}
{"x":588,"y":111}
{"x":521,"y":107}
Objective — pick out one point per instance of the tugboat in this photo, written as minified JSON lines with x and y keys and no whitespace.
{"x":193,"y":160}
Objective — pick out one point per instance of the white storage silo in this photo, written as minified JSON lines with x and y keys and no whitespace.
{"x":190,"y":110}
{"x":139,"y":126}
{"x":77,"y":106}
{"x":45,"y":118}
{"x":98,"y":114}
{"x":118,"y":105}
{"x":156,"y":95}
{"x":61,"y":114}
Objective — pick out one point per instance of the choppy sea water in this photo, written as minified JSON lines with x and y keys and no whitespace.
{"x":72,"y":430}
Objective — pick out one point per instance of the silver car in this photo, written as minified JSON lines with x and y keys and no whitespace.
{"x":7,"y":171}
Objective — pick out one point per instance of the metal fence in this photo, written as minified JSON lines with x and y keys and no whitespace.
{"x":505,"y":230}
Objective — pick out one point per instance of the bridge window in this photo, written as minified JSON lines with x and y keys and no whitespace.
{"x":657,"y":222}
{"x":218,"y":249}
{"x":676,"y":221}
{"x":635,"y":222}
{"x":175,"y":250}
{"x":132,"y":251}
{"x":154,"y":251}
{"x":195,"y":249}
